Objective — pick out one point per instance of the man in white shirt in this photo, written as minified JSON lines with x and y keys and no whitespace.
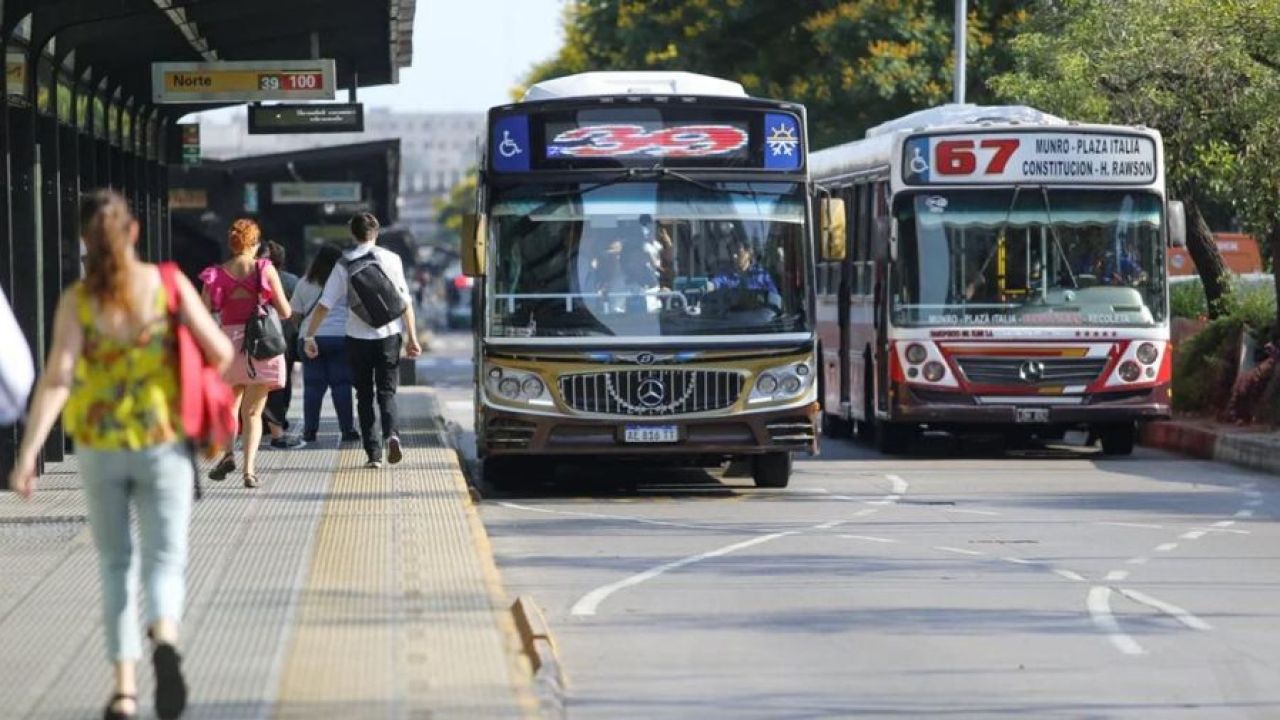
{"x":374,"y":352}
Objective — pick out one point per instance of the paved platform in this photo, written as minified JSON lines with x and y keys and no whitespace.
{"x":331,"y":591}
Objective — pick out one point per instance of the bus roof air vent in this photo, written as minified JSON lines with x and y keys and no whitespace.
{"x":951,"y":115}
{"x":639,"y":82}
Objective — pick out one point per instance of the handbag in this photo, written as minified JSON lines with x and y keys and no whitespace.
{"x":263,"y":332}
{"x":206,"y":404}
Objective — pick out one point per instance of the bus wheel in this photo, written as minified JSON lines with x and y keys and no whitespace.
{"x":1118,"y":439}
{"x":499,"y":472}
{"x":834,"y":426}
{"x":893,"y":438}
{"x":771,"y":470}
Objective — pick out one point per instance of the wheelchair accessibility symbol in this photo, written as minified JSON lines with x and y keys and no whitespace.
{"x":508,"y":148}
{"x":919,"y":166}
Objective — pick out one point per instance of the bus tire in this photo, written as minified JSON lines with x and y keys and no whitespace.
{"x":771,"y":470}
{"x":893,"y":438}
{"x":836,"y":427}
{"x":1118,"y":440}
{"x":499,"y":472}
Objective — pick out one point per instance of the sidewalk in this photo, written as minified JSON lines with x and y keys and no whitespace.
{"x":331,"y":591}
{"x":1253,"y":449}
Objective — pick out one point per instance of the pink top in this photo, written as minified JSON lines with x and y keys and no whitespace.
{"x":220,"y":284}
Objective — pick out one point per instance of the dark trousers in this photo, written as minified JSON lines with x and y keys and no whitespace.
{"x":331,"y":370}
{"x":375,"y":367}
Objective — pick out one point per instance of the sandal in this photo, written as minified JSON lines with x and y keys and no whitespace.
{"x":111,"y":713}
{"x":225,"y":467}
{"x":250,"y":480}
{"x":171,"y":686}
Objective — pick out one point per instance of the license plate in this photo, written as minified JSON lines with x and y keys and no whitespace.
{"x":1031,"y":415}
{"x":650,"y":434}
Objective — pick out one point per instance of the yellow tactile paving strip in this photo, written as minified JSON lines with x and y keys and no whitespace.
{"x":401,"y":612}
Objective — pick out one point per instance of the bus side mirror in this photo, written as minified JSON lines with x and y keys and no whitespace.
{"x":834,"y":229}
{"x":474,"y":231}
{"x":886,"y":241}
{"x":1176,"y":217}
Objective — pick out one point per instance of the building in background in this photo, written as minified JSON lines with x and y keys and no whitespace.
{"x":437,"y":149}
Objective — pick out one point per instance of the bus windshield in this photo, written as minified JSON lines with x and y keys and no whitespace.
{"x":647,"y":259}
{"x":1029,"y":256}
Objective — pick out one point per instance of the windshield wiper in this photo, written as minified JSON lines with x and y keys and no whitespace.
{"x":1057,"y":242}
{"x":665,"y":172}
{"x":623,"y":175}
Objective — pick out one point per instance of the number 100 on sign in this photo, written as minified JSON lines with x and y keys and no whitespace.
{"x":291,"y":81}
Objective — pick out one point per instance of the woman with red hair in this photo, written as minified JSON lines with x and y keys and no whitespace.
{"x":235,"y":290}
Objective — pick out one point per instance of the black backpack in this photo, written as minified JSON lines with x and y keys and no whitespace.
{"x":370,"y":293}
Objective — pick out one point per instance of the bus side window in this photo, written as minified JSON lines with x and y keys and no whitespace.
{"x":866,"y":226}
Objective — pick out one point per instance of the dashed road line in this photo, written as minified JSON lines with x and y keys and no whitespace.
{"x":869,"y":538}
{"x":1144,"y":526}
{"x":1224,"y":523}
{"x":1099,"y":605}
{"x":1177,"y":613}
{"x":971,"y":512}
{"x":1068,"y":574}
{"x":1244,"y":514}
{"x":1117,"y":575}
{"x":1019,"y":561}
{"x":1166,"y":547}
{"x":1138,"y":560}
{"x":957,"y":551}
{"x":1193,"y":535}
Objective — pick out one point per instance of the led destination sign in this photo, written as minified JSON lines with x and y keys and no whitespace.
{"x":328,"y":118}
{"x":1032,"y":157}
{"x":647,"y":136}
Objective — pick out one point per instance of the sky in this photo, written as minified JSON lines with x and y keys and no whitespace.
{"x":467,"y":55}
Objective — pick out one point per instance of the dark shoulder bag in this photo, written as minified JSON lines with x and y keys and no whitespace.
{"x":263,"y":332}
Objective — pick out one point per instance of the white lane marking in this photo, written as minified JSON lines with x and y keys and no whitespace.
{"x":458,"y":404}
{"x":1231,"y":531}
{"x":865,"y":512}
{"x":588,"y":603}
{"x":1099,"y":604}
{"x":869,"y":538}
{"x":1166,"y":547}
{"x":1252,"y":503}
{"x":1253,"y":493}
{"x":1117,"y":575}
{"x":1072,"y":576}
{"x":1224,"y":523}
{"x":1019,"y":561}
{"x":462,"y":362}
{"x":958,"y":551}
{"x":1248,"y":485}
{"x":1137,"y":561}
{"x":1244,"y":514}
{"x":886,"y":501}
{"x":970,"y":512}
{"x":601,"y":516}
{"x":829,"y":525}
{"x":1144,"y":526}
{"x":1192,"y":535}
{"x":1179,"y":614}
{"x":900,"y":486}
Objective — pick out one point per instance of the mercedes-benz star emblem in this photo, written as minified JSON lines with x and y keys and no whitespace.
{"x":1031,"y":371}
{"x":651,"y":393}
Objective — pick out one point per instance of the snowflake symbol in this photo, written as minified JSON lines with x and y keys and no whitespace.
{"x":782,"y":140}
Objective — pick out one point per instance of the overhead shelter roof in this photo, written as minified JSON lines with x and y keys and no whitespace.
{"x":119,"y":39}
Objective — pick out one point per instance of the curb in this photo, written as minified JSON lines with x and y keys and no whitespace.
{"x":548,"y":674}
{"x":1254,"y":451}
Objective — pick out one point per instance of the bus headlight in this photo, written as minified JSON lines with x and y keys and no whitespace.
{"x":1130,"y":371}
{"x":933,"y":370}
{"x":1147,"y":353}
{"x":916,"y":354}
{"x":782,"y":383}
{"x":518,"y":386}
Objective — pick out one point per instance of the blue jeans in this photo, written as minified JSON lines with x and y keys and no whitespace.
{"x":330,"y":370}
{"x":158,"y":482}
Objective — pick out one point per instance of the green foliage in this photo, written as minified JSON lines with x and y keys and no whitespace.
{"x":449,"y":210}
{"x":853,"y":63}
{"x":1206,"y":368}
{"x":1187,"y":300}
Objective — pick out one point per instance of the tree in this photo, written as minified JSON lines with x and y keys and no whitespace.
{"x":853,"y":63}
{"x":1194,"y":69}
{"x":460,"y":201}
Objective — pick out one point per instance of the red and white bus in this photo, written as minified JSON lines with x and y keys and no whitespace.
{"x":1003,"y":270}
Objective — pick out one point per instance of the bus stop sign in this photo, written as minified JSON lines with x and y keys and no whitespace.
{"x":242,"y":81}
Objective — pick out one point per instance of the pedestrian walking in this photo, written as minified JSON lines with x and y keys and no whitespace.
{"x":113,"y":365}
{"x":276,"y":414}
{"x":379,"y":323}
{"x":17,"y":371}
{"x":238,"y":290}
{"x":330,"y":370}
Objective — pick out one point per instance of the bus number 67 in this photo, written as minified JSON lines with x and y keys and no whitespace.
{"x":959,"y":157}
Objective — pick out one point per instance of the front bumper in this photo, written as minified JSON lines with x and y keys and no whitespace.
{"x":513,"y":432}
{"x":951,"y":410}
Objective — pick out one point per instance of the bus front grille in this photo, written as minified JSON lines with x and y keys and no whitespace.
{"x":651,"y":392}
{"x":1031,"y":371}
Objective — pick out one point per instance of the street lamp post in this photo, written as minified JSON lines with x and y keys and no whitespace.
{"x":960,"y":32}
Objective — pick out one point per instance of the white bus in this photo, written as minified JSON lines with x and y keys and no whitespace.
{"x":1003,"y":270}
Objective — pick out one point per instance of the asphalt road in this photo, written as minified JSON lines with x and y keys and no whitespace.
{"x":953,"y":583}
